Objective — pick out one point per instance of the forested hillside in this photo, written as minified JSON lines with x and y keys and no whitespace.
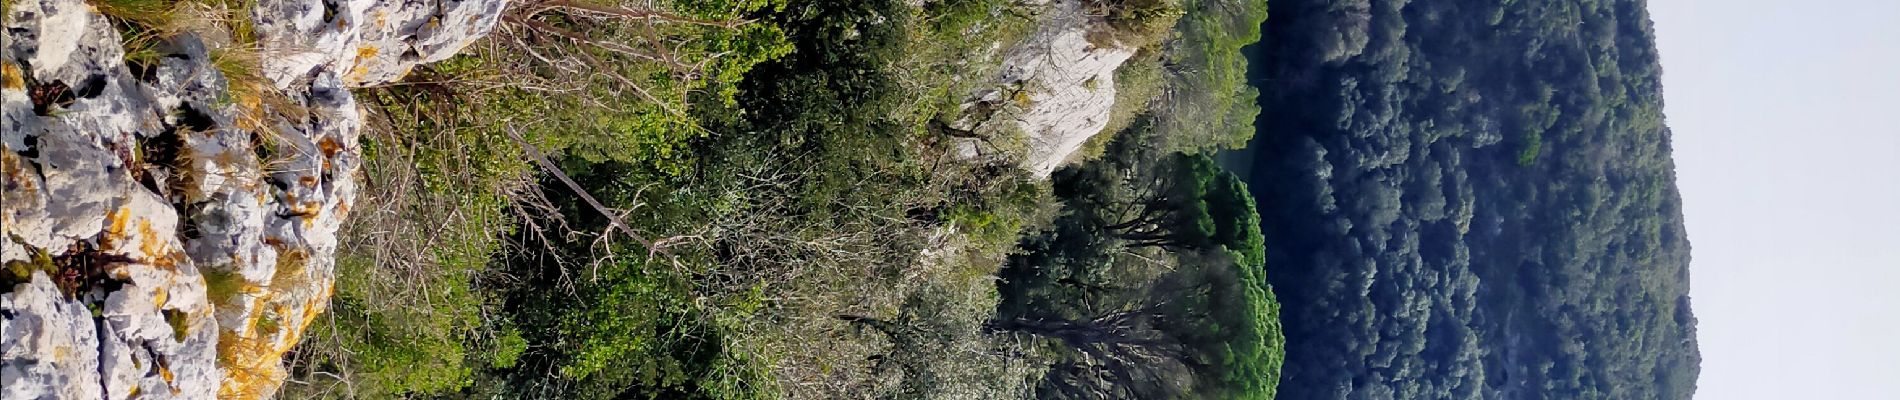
{"x":766,"y":199}
{"x":890,"y":199}
{"x":1471,"y":200}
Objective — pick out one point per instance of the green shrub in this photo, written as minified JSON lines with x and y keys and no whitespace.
{"x":1211,"y":105}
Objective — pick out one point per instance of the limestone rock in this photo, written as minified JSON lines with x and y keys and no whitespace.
{"x":168,"y":231}
{"x":1063,"y":83}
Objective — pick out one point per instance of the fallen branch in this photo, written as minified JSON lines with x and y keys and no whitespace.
{"x":613,"y":219}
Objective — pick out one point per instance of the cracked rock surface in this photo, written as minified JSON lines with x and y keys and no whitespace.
{"x":167,"y":230}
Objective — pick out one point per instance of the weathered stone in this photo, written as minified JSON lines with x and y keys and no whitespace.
{"x":366,"y":42}
{"x":51,"y":349}
{"x":187,"y":265}
{"x":1063,"y":83}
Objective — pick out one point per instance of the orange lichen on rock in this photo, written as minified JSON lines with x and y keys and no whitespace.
{"x":155,"y":248}
{"x":251,"y":359}
{"x":151,"y":248}
{"x":116,"y":233}
{"x":11,"y":78}
{"x":222,"y":294}
{"x":329,"y":147}
{"x":119,"y":218}
{"x":360,"y":69}
{"x":253,"y":350}
{"x":253,"y":368}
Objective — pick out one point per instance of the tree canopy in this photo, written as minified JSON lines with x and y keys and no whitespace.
{"x":1472,"y":200}
{"x":1152,"y":279}
{"x":1208,"y":101}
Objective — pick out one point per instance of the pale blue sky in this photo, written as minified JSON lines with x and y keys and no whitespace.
{"x":1787,"y":138}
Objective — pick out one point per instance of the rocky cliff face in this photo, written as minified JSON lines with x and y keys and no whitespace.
{"x":167,"y":225}
{"x":1062,"y":79}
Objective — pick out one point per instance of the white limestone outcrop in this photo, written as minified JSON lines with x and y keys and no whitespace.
{"x":1062,"y":82}
{"x":167,"y":231}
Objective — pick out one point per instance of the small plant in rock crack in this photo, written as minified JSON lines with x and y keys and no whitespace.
{"x":83,"y":268}
{"x":49,"y":97}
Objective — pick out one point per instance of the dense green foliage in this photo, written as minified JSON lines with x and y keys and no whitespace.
{"x":423,"y":303}
{"x":1151,"y":280}
{"x":1472,"y":200}
{"x":802,"y":232}
{"x":814,"y":160}
{"x":788,"y":180}
{"x":1208,"y":99}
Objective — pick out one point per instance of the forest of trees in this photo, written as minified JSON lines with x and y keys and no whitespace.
{"x":1468,"y":200}
{"x":1451,"y":200}
{"x":777,"y":218}
{"x":1151,"y":281}
{"x":756,"y":199}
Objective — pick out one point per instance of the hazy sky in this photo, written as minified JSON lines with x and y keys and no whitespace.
{"x":1787,"y":138}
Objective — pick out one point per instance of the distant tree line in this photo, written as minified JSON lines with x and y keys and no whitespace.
{"x":1470,"y":200}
